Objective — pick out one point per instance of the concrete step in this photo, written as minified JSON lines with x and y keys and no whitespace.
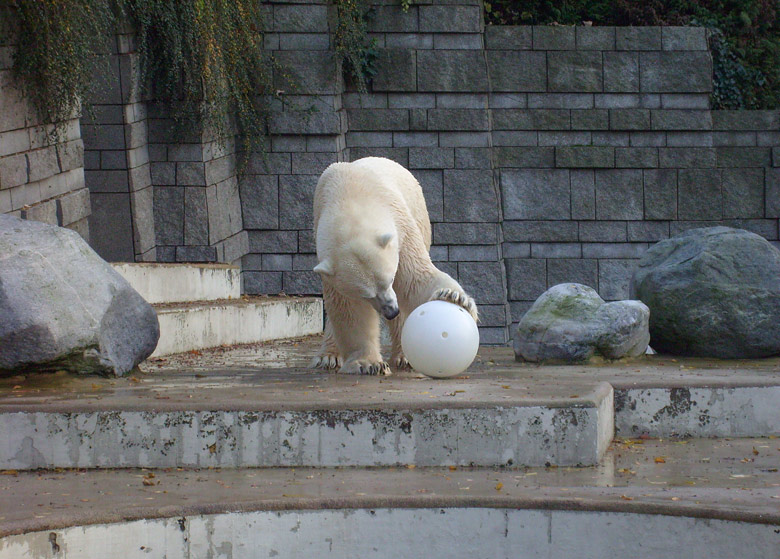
{"x":200,"y":325}
{"x":713,"y":498}
{"x":181,"y":283}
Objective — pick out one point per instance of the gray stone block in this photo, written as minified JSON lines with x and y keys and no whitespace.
{"x":509,"y":37}
{"x":648,"y":139}
{"x":301,"y":262}
{"x":615,"y":139}
{"x":312,"y":71}
{"x":439,"y":253}
{"x":508,"y":100}
{"x":629,"y":119}
{"x":540,"y":231}
{"x":556,"y":250}
{"x":484,"y":281}
{"x":411,"y":100}
{"x":638,"y":38}
{"x":554,"y":37}
{"x":764,"y":138}
{"x":573,"y":270}
{"x":595,"y":38}
{"x":492,"y":315}
{"x":473,"y":253}
{"x":575,"y":71}
{"x":565,"y":138}
{"x":369,"y":139}
{"x":269,"y":163}
{"x":531,"y":119}
{"x":304,"y":122}
{"x":701,"y":158}
{"x":312,"y":163}
{"x":91,"y":160}
{"x":585,"y":156}
{"x":464,"y":139}
{"x":396,"y":71}
{"x":593,"y":119}
{"x":603,"y":232}
{"x":13,"y":171}
{"x":431,"y":183}
{"x":614,"y":278}
{"x":301,"y":283}
{"x":451,"y":19}
{"x":458,"y":119}
{"x":45,"y":212}
{"x":772,"y":190}
{"x":163,"y":174}
{"x":378,"y":119}
{"x":41,"y":164}
{"x":304,"y":41}
{"x":196,"y":217}
{"x":536,"y":194}
{"x":111,"y":227}
{"x":106,"y":181}
{"x":273,"y":241}
{"x":675,"y":72}
{"x":431,"y":158}
{"x":515,"y":138}
{"x":306,"y":241}
{"x":415,"y":139}
{"x":619,"y":194}
{"x":409,"y":40}
{"x":70,"y":155}
{"x":621,"y":72}
{"x":465,"y":233}
{"x":493,"y":336}
{"x":560,"y":101}
{"x":330,"y":144}
{"x":516,"y":250}
{"x":647,"y":231}
{"x":296,"y":201}
{"x":168,"y":215}
{"x":684,"y":38}
{"x":356,"y":100}
{"x":685,"y":101}
{"x":660,"y":193}
{"x":469,"y":196}
{"x":190,"y":174}
{"x":680,"y":119}
{"x":472,"y":158}
{"x":451,"y":70}
{"x":583,"y":194}
{"x":743,"y":156}
{"x":252,"y":262}
{"x":614,"y":250}
{"x":623,"y":101}
{"x":689,"y":139}
{"x":532,"y":156}
{"x":517,"y":70}
{"x":636,"y":158}
{"x":220,"y":169}
{"x":745,"y":120}
{"x":767,"y":228}
{"x":776,"y":157}
{"x":224,"y":210}
{"x":733,"y":138}
{"x":73,"y":207}
{"x":461,"y":101}
{"x":526,"y":279}
{"x":418,"y":119}
{"x":399,"y":155}
{"x":743,"y":193}
{"x":185,"y":152}
{"x":392,"y":19}
{"x":699,"y":194}
{"x":261,"y":283}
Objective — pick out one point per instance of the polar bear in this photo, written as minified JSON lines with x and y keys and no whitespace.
{"x":373,"y":235}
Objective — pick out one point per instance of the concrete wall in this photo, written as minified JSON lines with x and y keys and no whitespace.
{"x":547,"y":154}
{"x":41,"y":177}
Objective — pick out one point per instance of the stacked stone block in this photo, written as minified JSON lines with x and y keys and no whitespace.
{"x":41,"y":173}
{"x":116,"y":158}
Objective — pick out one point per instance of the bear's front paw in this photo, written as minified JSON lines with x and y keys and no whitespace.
{"x":457,"y":298}
{"x":326,"y":361}
{"x":365,"y":367}
{"x":400,"y":363}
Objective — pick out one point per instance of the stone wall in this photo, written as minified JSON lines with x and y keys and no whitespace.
{"x":41,"y":175}
{"x":547,"y":154}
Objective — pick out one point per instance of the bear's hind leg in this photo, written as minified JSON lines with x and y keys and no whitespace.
{"x":328,"y":357}
{"x":397,"y":359}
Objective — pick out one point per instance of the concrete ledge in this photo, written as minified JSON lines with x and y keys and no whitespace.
{"x":177,"y":283}
{"x":198,"y":326}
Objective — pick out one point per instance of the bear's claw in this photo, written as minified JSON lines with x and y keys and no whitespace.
{"x":457,"y":298}
{"x":366,"y":368}
{"x":326,"y":361}
{"x":400,"y":363}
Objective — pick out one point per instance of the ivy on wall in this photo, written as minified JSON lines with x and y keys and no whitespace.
{"x":744,"y":36}
{"x":357,"y":51}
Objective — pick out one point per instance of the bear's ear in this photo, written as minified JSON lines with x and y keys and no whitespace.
{"x":324,"y":268}
{"x":384,"y":239}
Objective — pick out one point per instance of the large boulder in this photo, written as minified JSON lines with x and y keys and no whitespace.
{"x":570,"y":323}
{"x":712,"y":292}
{"x":63,"y":307}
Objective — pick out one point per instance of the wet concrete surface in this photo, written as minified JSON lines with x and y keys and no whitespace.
{"x":274,"y":375}
{"x":704,"y":478}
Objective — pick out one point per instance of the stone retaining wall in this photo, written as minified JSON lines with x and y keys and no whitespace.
{"x":41,"y":176}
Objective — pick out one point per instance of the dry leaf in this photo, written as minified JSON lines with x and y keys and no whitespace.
{"x":660,"y":460}
{"x":499,"y":486}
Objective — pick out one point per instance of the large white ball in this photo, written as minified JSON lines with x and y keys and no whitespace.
{"x":440,"y":339}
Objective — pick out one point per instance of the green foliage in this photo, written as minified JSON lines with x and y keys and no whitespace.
{"x":203,"y":60}
{"x":744,"y":35}
{"x":60,"y":48}
{"x":357,"y":51}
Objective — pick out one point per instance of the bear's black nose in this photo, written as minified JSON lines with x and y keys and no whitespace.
{"x":390,"y":311}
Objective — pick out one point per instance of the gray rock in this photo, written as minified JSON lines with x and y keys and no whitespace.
{"x":63,"y":307}
{"x":712,"y":292}
{"x":570,"y":322}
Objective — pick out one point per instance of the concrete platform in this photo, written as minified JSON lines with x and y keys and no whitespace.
{"x":180,"y":283}
{"x":202,"y":325}
{"x":646,"y":498}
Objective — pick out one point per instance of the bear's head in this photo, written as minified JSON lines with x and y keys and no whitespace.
{"x":364,"y":267}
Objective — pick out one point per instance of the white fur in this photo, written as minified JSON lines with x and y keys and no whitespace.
{"x":373,"y":235}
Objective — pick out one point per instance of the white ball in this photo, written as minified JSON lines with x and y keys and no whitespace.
{"x":440,"y":339}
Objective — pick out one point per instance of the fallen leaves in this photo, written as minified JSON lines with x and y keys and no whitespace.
{"x":499,"y":486}
{"x":660,"y":459}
